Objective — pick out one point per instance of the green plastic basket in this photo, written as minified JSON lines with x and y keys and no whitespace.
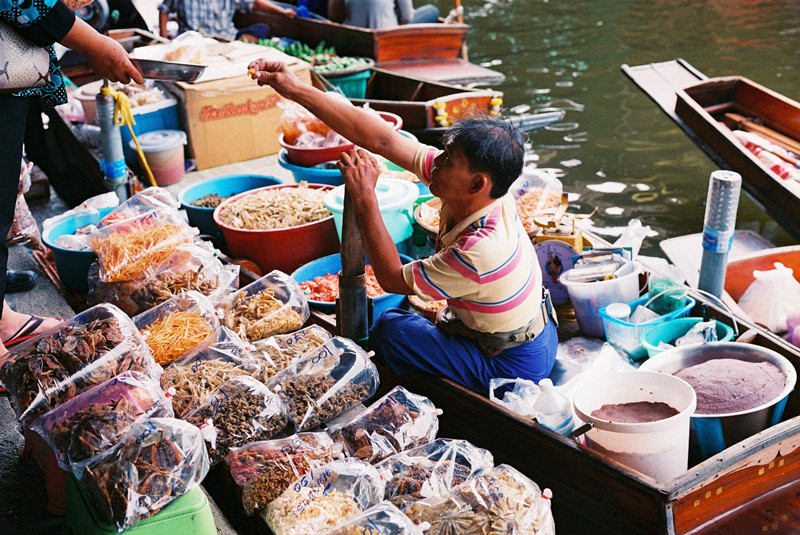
{"x":352,"y":85}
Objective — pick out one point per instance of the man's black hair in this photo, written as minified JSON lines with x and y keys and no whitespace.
{"x":492,"y":146}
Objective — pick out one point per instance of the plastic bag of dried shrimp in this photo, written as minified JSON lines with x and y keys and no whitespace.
{"x":199,"y":372}
{"x":278,"y":351}
{"x":274,"y":304}
{"x":325,"y":382}
{"x":432,"y":470}
{"x":89,"y":349}
{"x":325,"y":497}
{"x":535,"y":192}
{"x":382,"y":519}
{"x":266,"y":468}
{"x":97,"y":419}
{"x":126,"y":249}
{"x":240,"y":411}
{"x":500,"y":500}
{"x":398,"y":421}
{"x":145,"y":201}
{"x":160,"y":459}
{"x":178,"y":325}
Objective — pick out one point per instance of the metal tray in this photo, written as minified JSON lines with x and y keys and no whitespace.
{"x":168,"y":70}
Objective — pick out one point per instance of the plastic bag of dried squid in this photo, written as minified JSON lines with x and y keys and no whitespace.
{"x":126,"y":249}
{"x":266,"y":468}
{"x":57,"y":365}
{"x":500,"y":500}
{"x":382,"y":519}
{"x":145,"y":201}
{"x":326,"y":382}
{"x":240,"y":411}
{"x":325,"y":497}
{"x":160,"y":459}
{"x":398,"y":421}
{"x":274,"y":304}
{"x":432,"y":470}
{"x":278,"y":351}
{"x":97,"y":419}
{"x":178,"y":325}
{"x":199,"y":372}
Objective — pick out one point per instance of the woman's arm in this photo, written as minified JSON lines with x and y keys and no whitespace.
{"x":105,"y":56}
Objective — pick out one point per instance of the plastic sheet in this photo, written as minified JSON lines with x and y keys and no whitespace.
{"x":265,"y":469}
{"x":89,"y":349}
{"x":274,"y":304}
{"x":160,"y":459}
{"x":242,"y":410}
{"x":325,"y":497}
{"x":326,"y":382}
{"x":398,"y":421}
{"x":772,"y":297}
{"x":432,"y":471}
{"x":382,"y":519}
{"x":96,"y":420}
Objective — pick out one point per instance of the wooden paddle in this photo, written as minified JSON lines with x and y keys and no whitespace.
{"x":740,"y":121}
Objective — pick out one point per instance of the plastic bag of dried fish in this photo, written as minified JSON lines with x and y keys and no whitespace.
{"x":202,"y":370}
{"x":274,"y":304}
{"x":278,"y":351}
{"x":325,"y":497}
{"x":91,"y":348}
{"x":145,"y":201}
{"x":97,"y":419}
{"x":500,"y":500}
{"x":160,"y":459}
{"x":398,"y":421}
{"x":383,"y":519}
{"x":432,"y":470}
{"x":240,"y":411}
{"x":266,"y":468}
{"x":178,"y":325}
{"x":325,"y":382}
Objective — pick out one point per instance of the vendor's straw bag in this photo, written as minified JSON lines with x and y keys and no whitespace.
{"x":22,"y":64}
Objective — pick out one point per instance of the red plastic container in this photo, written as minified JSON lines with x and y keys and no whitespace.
{"x":283,"y":249}
{"x":308,"y":157}
{"x":55,"y":477}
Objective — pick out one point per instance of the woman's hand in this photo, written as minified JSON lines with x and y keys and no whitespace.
{"x":106,"y":57}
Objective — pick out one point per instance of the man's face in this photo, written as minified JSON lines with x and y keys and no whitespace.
{"x":450,"y":176}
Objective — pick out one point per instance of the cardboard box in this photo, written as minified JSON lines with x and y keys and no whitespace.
{"x":233,"y":119}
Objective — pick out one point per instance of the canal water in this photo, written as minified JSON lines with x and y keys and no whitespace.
{"x":616,"y":151}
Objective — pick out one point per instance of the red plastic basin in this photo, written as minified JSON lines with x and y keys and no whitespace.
{"x":283,"y":249}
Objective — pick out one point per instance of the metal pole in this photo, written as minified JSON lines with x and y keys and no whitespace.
{"x":113,"y":162}
{"x":718,"y":229}
{"x":352,"y":315}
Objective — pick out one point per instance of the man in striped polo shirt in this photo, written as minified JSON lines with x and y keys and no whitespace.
{"x":497,"y":323}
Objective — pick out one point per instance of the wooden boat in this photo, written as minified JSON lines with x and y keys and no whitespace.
{"x":418,"y":102}
{"x":431,"y":51}
{"x":707,"y":109}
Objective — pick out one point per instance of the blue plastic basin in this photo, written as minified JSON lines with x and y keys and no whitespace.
{"x":314,"y":175}
{"x":333,"y":264}
{"x":203,"y":218}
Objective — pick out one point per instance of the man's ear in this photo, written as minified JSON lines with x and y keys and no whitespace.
{"x":479,"y":182}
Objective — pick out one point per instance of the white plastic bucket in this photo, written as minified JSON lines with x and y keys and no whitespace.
{"x":163,"y":150}
{"x":659,"y":449}
{"x":588,"y":298}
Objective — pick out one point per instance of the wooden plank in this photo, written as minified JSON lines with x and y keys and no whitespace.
{"x":452,"y":71}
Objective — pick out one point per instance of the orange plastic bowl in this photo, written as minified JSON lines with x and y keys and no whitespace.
{"x":284,"y":249}
{"x":309,"y":157}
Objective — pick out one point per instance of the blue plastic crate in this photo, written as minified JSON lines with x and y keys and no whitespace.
{"x":626,"y":335}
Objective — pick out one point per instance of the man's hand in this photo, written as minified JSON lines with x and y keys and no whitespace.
{"x":360,"y":170}
{"x":276,"y":75}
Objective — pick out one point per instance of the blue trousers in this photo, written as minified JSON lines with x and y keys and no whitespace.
{"x":408,"y":342}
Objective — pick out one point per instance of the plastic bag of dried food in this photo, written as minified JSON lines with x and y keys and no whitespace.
{"x":160,"y":459}
{"x":194,"y":376}
{"x":126,"y":249}
{"x":266,"y":468}
{"x":325,"y":497}
{"x":87,"y":350}
{"x":24,"y":229}
{"x":274,"y":304}
{"x":536,"y":193}
{"x":398,"y":421}
{"x":240,"y":411}
{"x":145,"y":201}
{"x":188,"y":47}
{"x":432,"y":470}
{"x":325,"y":382}
{"x":500,"y":500}
{"x":295,"y":121}
{"x":278,"y":351}
{"x":382,"y":519}
{"x":96,"y":420}
{"x":772,"y":297}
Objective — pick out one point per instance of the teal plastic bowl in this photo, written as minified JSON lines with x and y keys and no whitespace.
{"x":72,"y":266}
{"x":203,"y":218}
{"x":333,"y":264}
{"x":324,"y":173}
{"x":671,"y":330}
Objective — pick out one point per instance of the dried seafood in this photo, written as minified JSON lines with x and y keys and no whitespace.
{"x":276,"y":208}
{"x":259,"y":315}
{"x":192,"y":383}
{"x":308,"y":511}
{"x":302,"y":394}
{"x":277,"y":352}
{"x":166,"y":285}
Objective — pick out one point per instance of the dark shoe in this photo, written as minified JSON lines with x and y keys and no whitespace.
{"x":20,"y":281}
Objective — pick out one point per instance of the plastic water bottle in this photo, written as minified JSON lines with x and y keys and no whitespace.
{"x":552,"y":408}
